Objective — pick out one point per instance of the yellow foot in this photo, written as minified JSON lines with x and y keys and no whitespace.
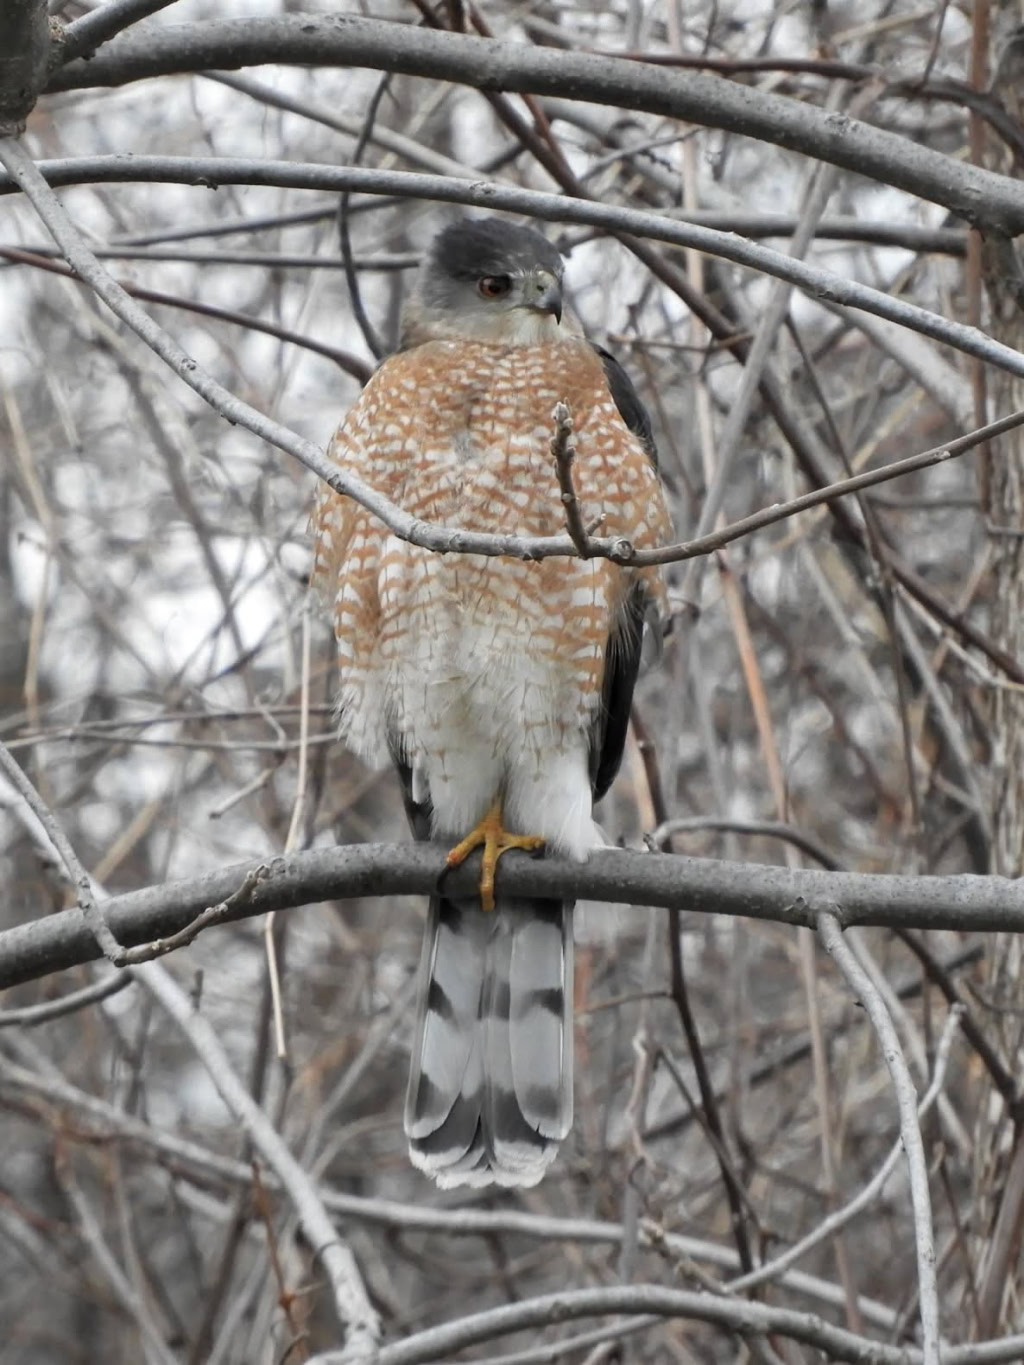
{"x":495,"y":840}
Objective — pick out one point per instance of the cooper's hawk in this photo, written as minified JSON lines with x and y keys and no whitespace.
{"x":499,"y":687}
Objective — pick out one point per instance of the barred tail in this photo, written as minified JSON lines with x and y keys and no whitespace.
{"x":490,"y":1087}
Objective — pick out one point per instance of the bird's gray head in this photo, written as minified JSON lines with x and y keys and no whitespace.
{"x":486,"y":280}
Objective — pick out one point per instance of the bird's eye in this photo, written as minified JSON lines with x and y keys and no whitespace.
{"x":494,"y":286}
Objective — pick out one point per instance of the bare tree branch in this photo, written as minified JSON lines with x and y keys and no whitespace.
{"x":113,"y":1124}
{"x":823,"y":284}
{"x":29,"y":1015}
{"x":91,"y":916}
{"x":85,"y":35}
{"x":701,"y":885}
{"x":155,"y":1349}
{"x":354,"y":1310}
{"x":873,"y":1189}
{"x":563,"y":452}
{"x":735,"y":1314}
{"x":345,"y":40}
{"x":910,"y":1128}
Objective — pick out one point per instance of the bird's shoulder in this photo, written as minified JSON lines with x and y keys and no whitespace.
{"x":627,"y":400}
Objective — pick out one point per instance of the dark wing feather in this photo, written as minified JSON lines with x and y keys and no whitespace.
{"x":627,"y":400}
{"x":418,"y":812}
{"x":608,"y":736}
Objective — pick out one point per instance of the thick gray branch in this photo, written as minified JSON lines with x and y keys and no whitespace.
{"x":787,"y":895}
{"x":439,"y":1343}
{"x":346,"y":40}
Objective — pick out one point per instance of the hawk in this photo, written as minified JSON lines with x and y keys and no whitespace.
{"x":500,"y":688}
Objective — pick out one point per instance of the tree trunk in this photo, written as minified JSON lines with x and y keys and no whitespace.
{"x":999,"y":1153}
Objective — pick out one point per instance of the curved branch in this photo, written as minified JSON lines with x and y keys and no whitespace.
{"x":732,"y":1313}
{"x":98,"y":26}
{"x":704,"y":885}
{"x":211,"y":172}
{"x":486,"y":64}
{"x":446,"y":540}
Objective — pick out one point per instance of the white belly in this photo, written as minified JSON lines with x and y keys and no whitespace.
{"x":491,"y":692}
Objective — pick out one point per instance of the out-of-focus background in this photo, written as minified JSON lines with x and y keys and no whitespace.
{"x":837,"y":688}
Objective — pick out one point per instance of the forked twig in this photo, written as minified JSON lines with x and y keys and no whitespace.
{"x":213,"y":914}
{"x":563,"y":452}
{"x":840,"y":1217}
{"x":352,"y":1305}
{"x":91,"y":913}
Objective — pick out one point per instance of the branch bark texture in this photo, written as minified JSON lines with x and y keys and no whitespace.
{"x":824,"y":285}
{"x":786,"y":895}
{"x":345,"y":40}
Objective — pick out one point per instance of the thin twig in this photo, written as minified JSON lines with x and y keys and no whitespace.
{"x":1001,"y":1078}
{"x":85,"y":35}
{"x":293,"y":840}
{"x":154,"y":1347}
{"x":30,"y":1015}
{"x":910,"y":1130}
{"x":345,"y":360}
{"x":563,"y":452}
{"x":374,"y":344}
{"x":736,"y":1194}
{"x":556,"y":1352}
{"x":830,"y":1225}
{"x":353,"y":1307}
{"x":764,"y":829}
{"x":77,"y":874}
{"x":285,"y":1297}
{"x":416,"y":153}
{"x":211,"y":915}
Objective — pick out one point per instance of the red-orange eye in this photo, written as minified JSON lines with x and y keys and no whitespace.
{"x":494,"y":286}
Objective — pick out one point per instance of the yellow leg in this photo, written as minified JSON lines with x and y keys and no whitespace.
{"x":496,"y":840}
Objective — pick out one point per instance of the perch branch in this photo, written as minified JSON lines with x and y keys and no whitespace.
{"x":966,"y":903}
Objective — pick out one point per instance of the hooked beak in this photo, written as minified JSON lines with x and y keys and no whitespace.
{"x":544,"y":293}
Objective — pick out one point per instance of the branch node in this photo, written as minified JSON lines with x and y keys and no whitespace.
{"x":563,"y":452}
{"x":213,"y":914}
